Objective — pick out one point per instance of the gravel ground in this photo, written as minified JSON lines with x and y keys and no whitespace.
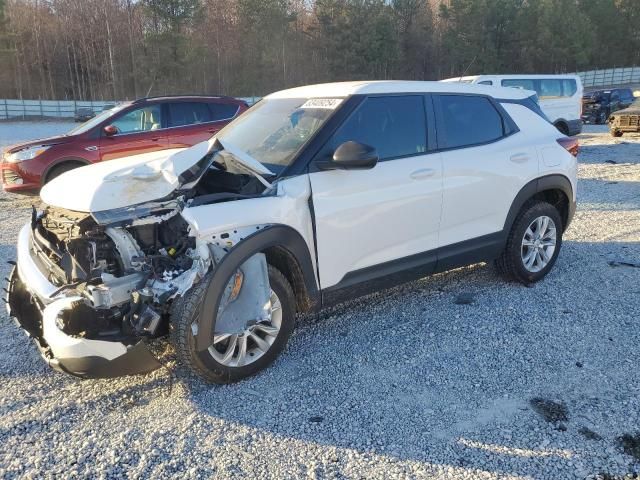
{"x":539,"y":382}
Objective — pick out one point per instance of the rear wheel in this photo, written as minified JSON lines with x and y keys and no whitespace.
{"x":232,"y":357}
{"x":533,"y":244}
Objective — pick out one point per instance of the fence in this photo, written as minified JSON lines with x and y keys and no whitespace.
{"x":32,"y":109}
{"x":610,"y":77}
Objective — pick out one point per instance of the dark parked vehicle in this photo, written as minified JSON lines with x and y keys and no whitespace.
{"x":626,"y":120}
{"x":83,"y":114}
{"x":598,"y":105}
{"x":141,"y":126}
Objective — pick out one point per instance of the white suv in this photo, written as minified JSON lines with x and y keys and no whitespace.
{"x":314,"y":195}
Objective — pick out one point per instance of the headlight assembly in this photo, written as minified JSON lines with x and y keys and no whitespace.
{"x":26,"y":154}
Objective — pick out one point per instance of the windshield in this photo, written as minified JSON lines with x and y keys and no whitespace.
{"x":86,"y":126}
{"x":274,"y":130}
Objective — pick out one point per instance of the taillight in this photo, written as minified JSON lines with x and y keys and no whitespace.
{"x":570,"y":145}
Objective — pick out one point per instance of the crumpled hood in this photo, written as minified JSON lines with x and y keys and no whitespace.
{"x":131,"y":180}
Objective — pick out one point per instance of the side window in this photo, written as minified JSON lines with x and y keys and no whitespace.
{"x":569,"y":87}
{"x":394,"y":125}
{"x":520,"y":83}
{"x":223,"y":111}
{"x":469,"y":120}
{"x":140,"y":120}
{"x":485,"y":82}
{"x":550,"y":88}
{"x":188,"y":113}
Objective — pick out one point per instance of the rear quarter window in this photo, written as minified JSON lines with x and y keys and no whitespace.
{"x":469,"y":120}
{"x":223,"y":111}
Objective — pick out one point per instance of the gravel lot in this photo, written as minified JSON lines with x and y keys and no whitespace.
{"x":538,"y":382}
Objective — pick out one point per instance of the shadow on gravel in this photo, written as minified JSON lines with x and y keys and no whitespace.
{"x":415,"y":374}
{"x":621,"y":153}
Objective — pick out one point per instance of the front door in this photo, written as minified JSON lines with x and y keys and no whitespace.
{"x":379,"y":221}
{"x":138,"y":131}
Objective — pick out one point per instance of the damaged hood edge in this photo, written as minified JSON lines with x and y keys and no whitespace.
{"x":134,"y":180}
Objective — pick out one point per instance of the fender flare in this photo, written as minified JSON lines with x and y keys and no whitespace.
{"x":549,"y":182}
{"x":60,"y":161}
{"x":271,"y":236}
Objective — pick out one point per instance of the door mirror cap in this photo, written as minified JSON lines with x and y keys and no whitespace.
{"x":110,"y":130}
{"x":351,"y":156}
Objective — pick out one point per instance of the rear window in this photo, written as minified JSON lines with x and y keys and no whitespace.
{"x":223,"y":111}
{"x":188,"y":113}
{"x":469,"y":120}
{"x":394,"y":125}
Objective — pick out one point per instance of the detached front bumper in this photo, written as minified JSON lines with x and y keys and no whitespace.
{"x":37,"y":306}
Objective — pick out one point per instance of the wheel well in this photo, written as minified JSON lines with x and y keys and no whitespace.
{"x":282,"y":259}
{"x":57,"y":166}
{"x":558,"y":199}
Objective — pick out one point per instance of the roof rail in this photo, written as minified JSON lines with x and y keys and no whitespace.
{"x":169,"y":97}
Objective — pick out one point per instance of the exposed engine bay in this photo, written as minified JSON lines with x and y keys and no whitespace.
{"x":131,"y":269}
{"x":90,"y":286}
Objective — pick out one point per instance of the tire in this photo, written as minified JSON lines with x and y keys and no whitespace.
{"x":62,"y":168}
{"x":511,"y":263}
{"x":562,"y":128}
{"x":207,"y":367}
{"x":616,"y":133}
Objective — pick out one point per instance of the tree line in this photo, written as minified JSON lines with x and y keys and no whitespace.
{"x":117,"y":49}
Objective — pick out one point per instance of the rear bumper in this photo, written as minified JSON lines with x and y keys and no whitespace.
{"x":37,"y":306}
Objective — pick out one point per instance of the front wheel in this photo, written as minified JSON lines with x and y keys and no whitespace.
{"x":616,"y":133}
{"x":533,"y":244}
{"x":232,"y":357}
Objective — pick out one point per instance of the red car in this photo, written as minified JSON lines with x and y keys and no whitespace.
{"x":141,"y":126}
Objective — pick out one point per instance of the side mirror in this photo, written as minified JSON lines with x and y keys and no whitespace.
{"x":110,"y":130}
{"x":351,"y":156}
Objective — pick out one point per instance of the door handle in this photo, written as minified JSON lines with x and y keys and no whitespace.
{"x":423,"y":173}
{"x":213,"y":130}
{"x":156,"y":139}
{"x":519,"y":158}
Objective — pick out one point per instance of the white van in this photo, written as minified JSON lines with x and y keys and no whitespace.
{"x":560,"y":96}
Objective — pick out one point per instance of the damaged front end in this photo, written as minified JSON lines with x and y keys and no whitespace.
{"x":93,"y":289}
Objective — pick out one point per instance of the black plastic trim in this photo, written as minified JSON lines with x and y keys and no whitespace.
{"x":379,"y":277}
{"x":271,"y":236}
{"x":389,"y":274}
{"x":548,"y":182}
{"x":137,"y":360}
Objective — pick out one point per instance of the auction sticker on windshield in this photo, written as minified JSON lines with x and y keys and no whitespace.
{"x":328,"y":103}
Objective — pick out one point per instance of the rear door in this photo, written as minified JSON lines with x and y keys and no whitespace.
{"x":140,"y":130}
{"x":194,"y":122}
{"x":374,"y":222}
{"x":484,"y":163}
